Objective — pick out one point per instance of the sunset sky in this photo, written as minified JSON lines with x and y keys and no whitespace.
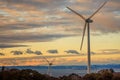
{"x":31,"y":29}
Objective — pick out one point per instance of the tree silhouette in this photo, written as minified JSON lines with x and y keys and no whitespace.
{"x":29,"y":74}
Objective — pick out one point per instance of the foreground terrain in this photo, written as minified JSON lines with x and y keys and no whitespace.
{"x":29,"y":74}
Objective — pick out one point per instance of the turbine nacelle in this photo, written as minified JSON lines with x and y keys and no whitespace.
{"x":50,"y":64}
{"x":88,"y":20}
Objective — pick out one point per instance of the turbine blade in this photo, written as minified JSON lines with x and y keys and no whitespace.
{"x":83,"y":36}
{"x":77,"y":13}
{"x":98,"y":9}
{"x":46,"y":59}
{"x":53,"y":60}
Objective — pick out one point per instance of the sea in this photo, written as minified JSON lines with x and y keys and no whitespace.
{"x":61,"y":70}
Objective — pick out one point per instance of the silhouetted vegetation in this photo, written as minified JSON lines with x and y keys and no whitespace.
{"x":28,"y":74}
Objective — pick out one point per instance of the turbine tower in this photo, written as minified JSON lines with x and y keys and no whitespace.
{"x":50,"y":63}
{"x":87,"y":24}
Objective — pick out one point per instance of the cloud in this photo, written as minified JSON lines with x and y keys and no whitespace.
{"x":1,"y":54}
{"x":50,"y":4}
{"x":110,"y":25}
{"x":53,"y":51}
{"x":72,"y":52}
{"x":18,"y":26}
{"x":28,"y":37}
{"x":40,"y":20}
{"x":11,"y":45}
{"x":29,"y":51}
{"x":110,"y":51}
{"x":17,"y":52}
{"x":92,"y":52}
{"x":38,"y":53}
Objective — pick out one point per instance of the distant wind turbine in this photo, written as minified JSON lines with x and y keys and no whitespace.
{"x":50,"y":63}
{"x":87,"y":24}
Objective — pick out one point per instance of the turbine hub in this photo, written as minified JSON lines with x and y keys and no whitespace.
{"x":50,"y":64}
{"x":89,"y":20}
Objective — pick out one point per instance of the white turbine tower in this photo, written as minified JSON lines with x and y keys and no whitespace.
{"x":50,"y":63}
{"x":87,"y":24}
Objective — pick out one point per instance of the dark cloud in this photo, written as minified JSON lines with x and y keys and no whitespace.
{"x":33,"y":25}
{"x":38,"y":53}
{"x":72,"y":52}
{"x":11,"y":45}
{"x":53,"y":51}
{"x":92,"y":52}
{"x":17,"y":52}
{"x":1,"y":54}
{"x":29,"y":51}
{"x":22,"y":26}
{"x":38,"y":3}
{"x":54,"y":15}
{"x":18,"y":38}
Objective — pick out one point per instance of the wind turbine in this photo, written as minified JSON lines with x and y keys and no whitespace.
{"x":87,"y":24}
{"x":50,"y":63}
